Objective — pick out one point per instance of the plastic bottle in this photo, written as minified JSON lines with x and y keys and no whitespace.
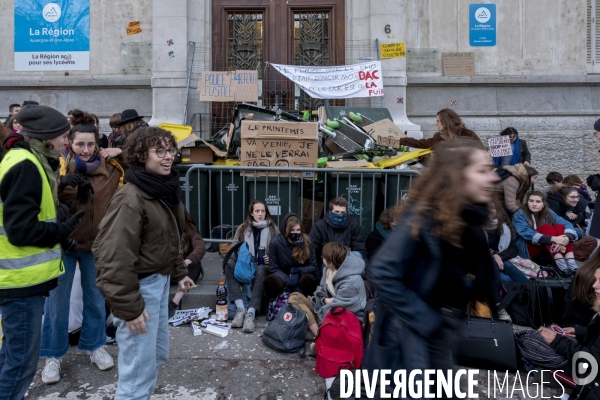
{"x":221,"y":309}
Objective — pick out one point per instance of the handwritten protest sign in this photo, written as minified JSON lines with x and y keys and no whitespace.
{"x":385,"y":133}
{"x":133,"y":28}
{"x":392,"y":50}
{"x":458,"y":64}
{"x":279,"y":144}
{"x":500,"y":146}
{"x":341,"y":82}
{"x":222,"y":86}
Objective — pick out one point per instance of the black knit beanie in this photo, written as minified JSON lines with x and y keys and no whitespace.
{"x":42,"y":122}
{"x":597,"y":125}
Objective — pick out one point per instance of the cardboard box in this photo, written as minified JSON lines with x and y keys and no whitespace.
{"x":307,"y":211}
{"x":279,"y":144}
{"x":386,"y":133}
{"x":196,"y":330}
{"x":197,"y":155}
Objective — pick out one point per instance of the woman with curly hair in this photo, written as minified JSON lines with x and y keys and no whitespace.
{"x":450,"y":126}
{"x":137,"y":252}
{"x":437,"y":258}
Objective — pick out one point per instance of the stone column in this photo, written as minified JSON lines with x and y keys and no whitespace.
{"x":367,"y":20}
{"x":169,"y":72}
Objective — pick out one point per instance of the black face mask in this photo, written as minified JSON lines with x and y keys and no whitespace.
{"x":294,"y":237}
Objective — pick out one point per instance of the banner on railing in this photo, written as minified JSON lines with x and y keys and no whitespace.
{"x":341,"y":82}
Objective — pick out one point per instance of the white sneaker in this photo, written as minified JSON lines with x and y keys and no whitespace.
{"x":51,"y":372}
{"x":102,"y":359}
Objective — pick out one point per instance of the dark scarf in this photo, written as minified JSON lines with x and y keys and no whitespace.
{"x":166,"y":188}
{"x":475,"y":243}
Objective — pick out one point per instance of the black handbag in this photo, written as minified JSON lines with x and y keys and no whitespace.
{"x":287,"y":332}
{"x":486,"y":343}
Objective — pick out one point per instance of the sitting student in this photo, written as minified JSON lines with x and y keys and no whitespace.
{"x":587,"y":339}
{"x":554,"y":181}
{"x":193,"y":249}
{"x":292,"y":260}
{"x":564,"y":203}
{"x":577,"y":183}
{"x":383,"y":228}
{"x":502,"y":241}
{"x":516,"y":182}
{"x":342,"y":285}
{"x":580,"y":297}
{"x":337,"y":227}
{"x":257,"y":231}
{"x":539,"y":228}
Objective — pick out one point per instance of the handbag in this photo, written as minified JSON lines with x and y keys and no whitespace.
{"x":535,"y":350}
{"x":287,"y":332}
{"x":486,"y":343}
{"x":583,"y":247}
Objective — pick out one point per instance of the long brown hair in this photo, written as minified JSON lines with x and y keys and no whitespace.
{"x":452,"y":123}
{"x":436,"y":194}
{"x":501,"y":216}
{"x":248,"y":222}
{"x":300,"y":254}
{"x":573,"y":180}
{"x":335,"y":253}
{"x":525,"y":181}
{"x":584,"y":279}
{"x":543,"y":217}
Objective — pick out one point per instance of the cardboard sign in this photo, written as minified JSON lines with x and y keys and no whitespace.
{"x":133,"y":28}
{"x":500,"y":146}
{"x":279,"y":144}
{"x":458,"y":64}
{"x":338,"y":82}
{"x":392,"y":50}
{"x":385,"y":133}
{"x":224,"y":86}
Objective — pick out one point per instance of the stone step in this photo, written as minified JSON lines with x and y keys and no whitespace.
{"x":205,"y":294}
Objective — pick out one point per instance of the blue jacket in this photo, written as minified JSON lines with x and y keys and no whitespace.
{"x":526,"y":234}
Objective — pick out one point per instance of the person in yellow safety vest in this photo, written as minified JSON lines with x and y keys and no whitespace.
{"x":31,"y":234}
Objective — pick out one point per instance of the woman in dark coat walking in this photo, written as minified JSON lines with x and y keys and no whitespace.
{"x":436,"y":259}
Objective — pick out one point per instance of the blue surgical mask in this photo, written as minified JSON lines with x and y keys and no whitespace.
{"x":338,"y":220}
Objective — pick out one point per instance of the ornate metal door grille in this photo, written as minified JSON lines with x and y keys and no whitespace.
{"x":245,"y":42}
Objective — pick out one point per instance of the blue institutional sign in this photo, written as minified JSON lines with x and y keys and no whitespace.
{"x":482,"y":24}
{"x":52,"y":35}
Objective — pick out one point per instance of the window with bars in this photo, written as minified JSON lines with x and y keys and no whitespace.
{"x":593,"y":36}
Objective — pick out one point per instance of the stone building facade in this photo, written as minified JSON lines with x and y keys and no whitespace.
{"x":539,"y":77}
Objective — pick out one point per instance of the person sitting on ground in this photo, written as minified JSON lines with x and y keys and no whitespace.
{"x":257,"y":231}
{"x":555,"y":181}
{"x":502,"y":241}
{"x":587,"y":339}
{"x":520,"y":155}
{"x":450,"y":126}
{"x":292,"y":260}
{"x":13,"y":109}
{"x":336,"y":226}
{"x":13,"y":126}
{"x":517,"y":180}
{"x":584,"y":195}
{"x":580,"y":297}
{"x":193,"y":248}
{"x":540,"y":232}
{"x":89,"y":184}
{"x":137,"y":252}
{"x":388,"y":219}
{"x":564,"y":203}
{"x":341,"y":285}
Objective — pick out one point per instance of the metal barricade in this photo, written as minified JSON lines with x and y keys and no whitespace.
{"x":219,"y":195}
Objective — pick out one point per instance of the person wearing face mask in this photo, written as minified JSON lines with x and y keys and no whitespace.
{"x":138,"y":251}
{"x":337,"y":227}
{"x":292,"y":260}
{"x":383,"y":229}
{"x":100,"y":179}
{"x":257,"y":231}
{"x":30,"y":239}
{"x":434,"y":264}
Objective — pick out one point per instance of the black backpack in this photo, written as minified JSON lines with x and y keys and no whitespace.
{"x":287,"y":332}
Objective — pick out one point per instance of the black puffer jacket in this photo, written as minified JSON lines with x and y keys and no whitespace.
{"x":323,"y":232}
{"x":557,"y":204}
{"x":280,"y":255}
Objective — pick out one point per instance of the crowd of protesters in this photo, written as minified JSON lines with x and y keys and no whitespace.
{"x":73,"y":199}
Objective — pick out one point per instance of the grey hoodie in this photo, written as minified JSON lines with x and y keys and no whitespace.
{"x":349,"y":289}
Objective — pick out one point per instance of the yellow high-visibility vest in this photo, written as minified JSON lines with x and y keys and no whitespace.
{"x":23,"y":266}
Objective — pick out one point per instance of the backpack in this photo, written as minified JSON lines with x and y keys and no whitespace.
{"x":339,"y":343}
{"x":583,"y":247}
{"x":245,"y":266}
{"x":287,"y":332}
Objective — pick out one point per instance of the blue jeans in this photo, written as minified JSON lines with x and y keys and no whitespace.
{"x":512,"y":274}
{"x":55,"y":332}
{"x":140,"y":355}
{"x":22,"y":328}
